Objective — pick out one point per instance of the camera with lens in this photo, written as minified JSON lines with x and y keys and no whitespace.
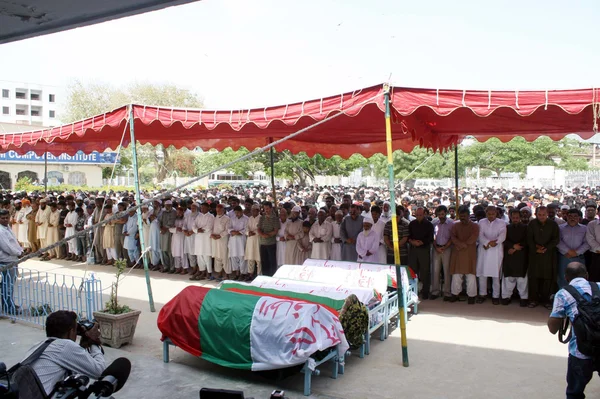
{"x":85,"y":325}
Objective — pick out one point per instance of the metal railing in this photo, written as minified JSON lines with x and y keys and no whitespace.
{"x":30,"y":295}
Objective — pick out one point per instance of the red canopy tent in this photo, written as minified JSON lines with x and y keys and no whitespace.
{"x":436,"y":119}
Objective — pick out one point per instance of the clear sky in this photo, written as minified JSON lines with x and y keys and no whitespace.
{"x":251,"y":53}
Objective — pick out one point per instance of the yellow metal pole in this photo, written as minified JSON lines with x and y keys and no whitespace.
{"x":397,"y":260}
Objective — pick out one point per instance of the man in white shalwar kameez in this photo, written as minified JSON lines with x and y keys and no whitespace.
{"x":336,"y":240}
{"x":203,"y":244}
{"x":252,"y":255}
{"x":281,"y":240}
{"x":378,"y":227}
{"x":42,"y":217}
{"x":178,"y":244}
{"x":154,"y":241}
{"x":386,"y":214}
{"x":492,"y":233}
{"x":293,"y":234}
{"x":24,"y":224}
{"x":146,"y":231}
{"x":367,"y":243}
{"x":190,"y":236}
{"x":320,"y":236}
{"x":220,"y":240}
{"x":70,"y":222}
{"x":237,"y":243}
{"x":130,"y":230}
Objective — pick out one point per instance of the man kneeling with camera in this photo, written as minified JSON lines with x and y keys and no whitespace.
{"x":63,"y":356}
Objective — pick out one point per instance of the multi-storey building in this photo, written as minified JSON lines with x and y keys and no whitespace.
{"x":28,"y":104}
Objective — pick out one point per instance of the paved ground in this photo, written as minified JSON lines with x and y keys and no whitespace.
{"x":456,"y":351}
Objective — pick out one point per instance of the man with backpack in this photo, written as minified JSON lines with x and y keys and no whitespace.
{"x":59,"y":355}
{"x":579,"y":301}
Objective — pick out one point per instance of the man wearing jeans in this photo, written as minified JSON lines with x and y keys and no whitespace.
{"x":580,"y":368}
{"x":10,"y":250}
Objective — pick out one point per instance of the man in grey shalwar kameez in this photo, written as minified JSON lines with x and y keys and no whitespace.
{"x":167,"y":221}
{"x":352,"y":225}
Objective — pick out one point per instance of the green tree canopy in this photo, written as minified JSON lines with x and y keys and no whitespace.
{"x":86,"y":100}
{"x":420,"y":162}
{"x":517,"y":154}
{"x":300,"y":167}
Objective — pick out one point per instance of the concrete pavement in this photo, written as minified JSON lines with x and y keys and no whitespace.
{"x":456,"y":351}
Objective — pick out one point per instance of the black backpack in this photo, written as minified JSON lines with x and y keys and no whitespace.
{"x":22,"y":381}
{"x":587,"y":322}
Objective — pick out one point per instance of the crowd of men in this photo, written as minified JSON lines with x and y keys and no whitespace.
{"x":513,"y":238}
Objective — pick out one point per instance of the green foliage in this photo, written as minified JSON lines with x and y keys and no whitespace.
{"x":427,"y":164}
{"x":112,"y":306}
{"x":42,"y":310}
{"x":298,"y":167}
{"x":515,"y":155}
{"x":209,"y":160}
{"x":492,"y":157}
{"x":25,"y":184}
{"x":183,"y":161}
{"x":85,"y":100}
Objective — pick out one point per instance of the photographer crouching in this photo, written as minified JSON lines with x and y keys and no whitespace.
{"x":64,"y":356}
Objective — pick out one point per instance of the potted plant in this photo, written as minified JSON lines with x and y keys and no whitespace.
{"x":117,"y":322}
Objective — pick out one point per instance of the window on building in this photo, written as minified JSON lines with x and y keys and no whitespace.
{"x":20,"y":111}
{"x":35,"y":112}
{"x":52,"y":98}
{"x":5,"y":93}
{"x":5,"y":110}
{"x":52,"y":114}
{"x":35,"y":96}
{"x":20,"y":95}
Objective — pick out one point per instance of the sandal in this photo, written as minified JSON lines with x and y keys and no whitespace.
{"x":548,"y":306}
{"x":532,"y":305}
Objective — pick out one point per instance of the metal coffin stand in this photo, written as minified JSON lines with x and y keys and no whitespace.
{"x":309,"y":369}
{"x":381,"y":315}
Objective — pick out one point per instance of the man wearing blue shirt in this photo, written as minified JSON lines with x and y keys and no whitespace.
{"x":580,"y":368}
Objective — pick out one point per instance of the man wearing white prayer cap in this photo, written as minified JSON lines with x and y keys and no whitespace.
{"x":367,"y":208}
{"x":386,"y":215}
{"x":293,"y":234}
{"x":367,"y":242}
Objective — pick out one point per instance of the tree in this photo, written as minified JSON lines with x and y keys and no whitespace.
{"x":517,"y":154}
{"x":420,"y":162}
{"x":300,"y":167}
{"x":88,"y":100}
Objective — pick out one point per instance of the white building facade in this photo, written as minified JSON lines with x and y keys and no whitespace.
{"x":28,"y":104}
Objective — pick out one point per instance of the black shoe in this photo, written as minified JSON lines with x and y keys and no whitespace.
{"x":447,"y":299}
{"x":480,"y":299}
{"x":523,"y":303}
{"x":171,"y":271}
{"x":506,"y":301}
{"x":495,"y":301}
{"x":471,"y":300}
{"x":433,"y":297}
{"x":453,"y":298}
{"x":424,"y":297}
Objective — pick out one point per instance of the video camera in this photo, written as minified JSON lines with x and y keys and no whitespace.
{"x":111,"y":381}
{"x":84,"y":325}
